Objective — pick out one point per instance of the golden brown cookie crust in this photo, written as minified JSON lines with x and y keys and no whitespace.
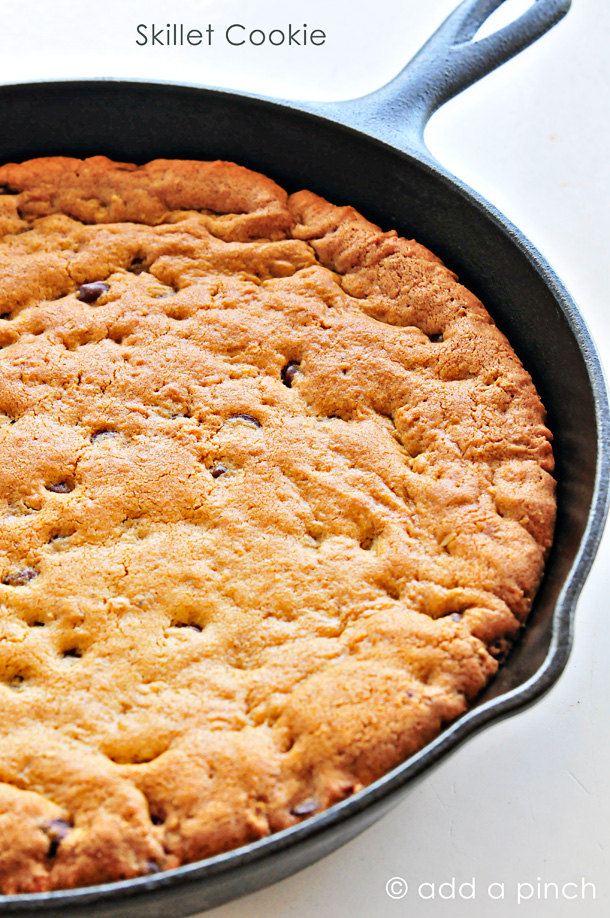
{"x":272,"y":503}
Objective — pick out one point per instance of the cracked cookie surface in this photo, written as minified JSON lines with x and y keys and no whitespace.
{"x":275,"y":493}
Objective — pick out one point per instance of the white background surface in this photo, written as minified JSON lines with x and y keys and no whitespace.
{"x":529,"y":797}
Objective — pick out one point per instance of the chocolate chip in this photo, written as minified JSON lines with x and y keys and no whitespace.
{"x":245,"y":417}
{"x":57,"y":830}
{"x":152,"y":867}
{"x":499,"y":649}
{"x":306,"y":808}
{"x":59,"y":540}
{"x":53,"y":847}
{"x":137,"y":266}
{"x":90,"y":293}
{"x":436,"y":339}
{"x":62,"y":487}
{"x":289,"y":372}
{"x":219,"y":470}
{"x":20,"y":577}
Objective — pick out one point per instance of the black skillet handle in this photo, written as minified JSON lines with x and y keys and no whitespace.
{"x":449,"y":62}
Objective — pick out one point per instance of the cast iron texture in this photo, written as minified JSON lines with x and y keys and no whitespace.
{"x":393,"y":180}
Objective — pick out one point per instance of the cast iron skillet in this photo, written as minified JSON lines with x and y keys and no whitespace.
{"x":389,"y":175}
